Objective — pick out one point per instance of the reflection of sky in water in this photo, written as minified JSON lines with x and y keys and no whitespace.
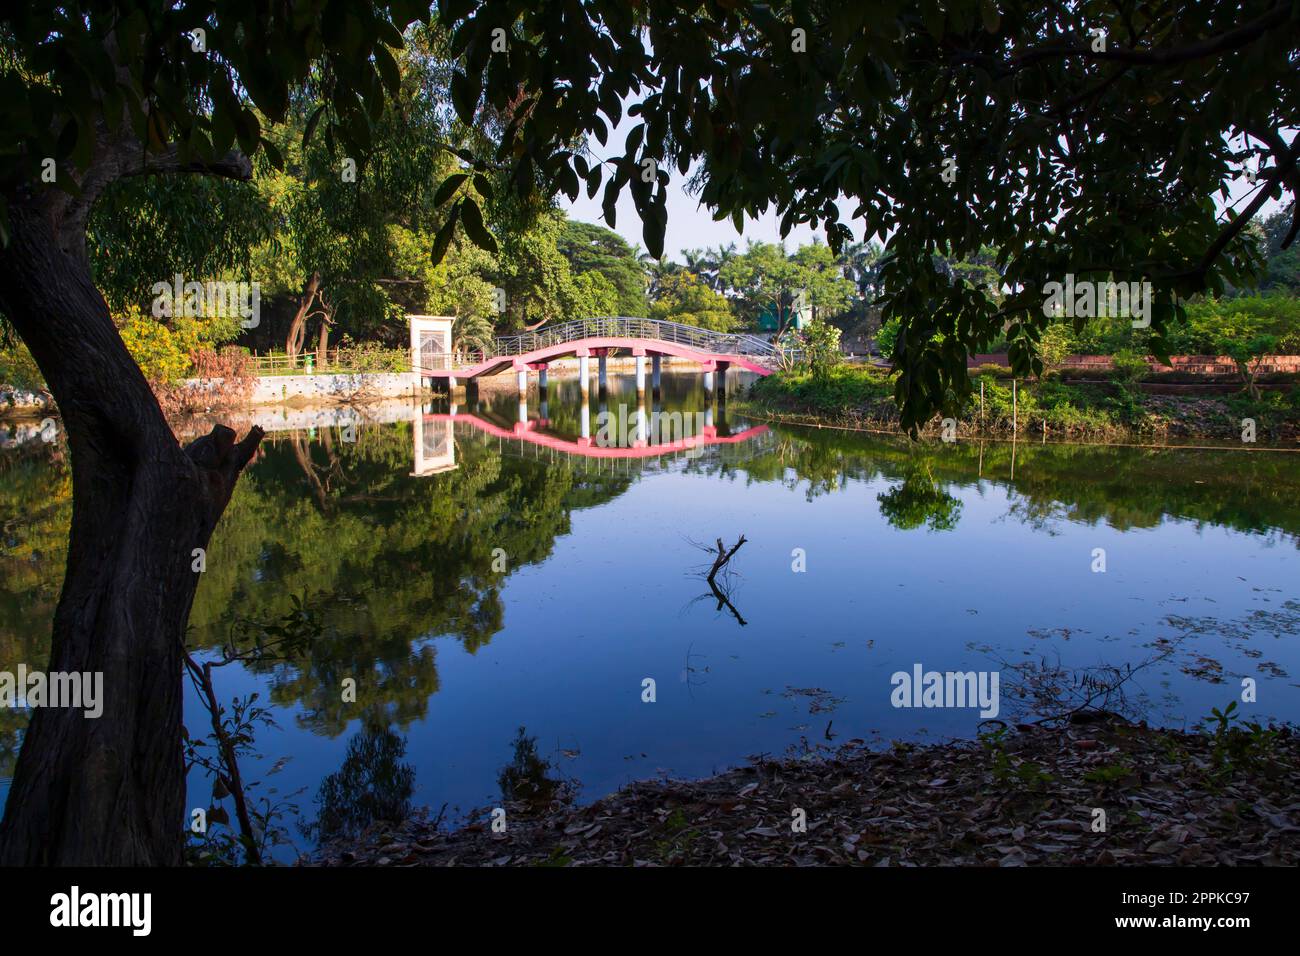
{"x":616,"y":602}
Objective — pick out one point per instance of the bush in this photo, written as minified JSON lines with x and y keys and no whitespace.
{"x":1129,"y":367}
{"x":18,"y":370}
{"x":821,"y":345}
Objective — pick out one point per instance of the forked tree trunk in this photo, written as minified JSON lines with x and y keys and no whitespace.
{"x":111,"y":790}
{"x":298,"y":327}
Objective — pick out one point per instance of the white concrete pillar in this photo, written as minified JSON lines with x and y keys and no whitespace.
{"x":708,"y":381}
{"x":523,"y":384}
{"x":523,"y":411}
{"x":584,"y":373}
{"x":586,"y":418}
{"x":451,"y":382}
{"x":640,"y":374}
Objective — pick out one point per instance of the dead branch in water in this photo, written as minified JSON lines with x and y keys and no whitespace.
{"x":722,"y":589}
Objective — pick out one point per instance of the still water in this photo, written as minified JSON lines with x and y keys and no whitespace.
{"x":477,"y":570}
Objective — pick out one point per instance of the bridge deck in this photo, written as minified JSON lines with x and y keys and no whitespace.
{"x":499,"y":363}
{"x":585,"y":337}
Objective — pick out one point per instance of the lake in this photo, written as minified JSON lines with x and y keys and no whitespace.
{"x":475,"y":569}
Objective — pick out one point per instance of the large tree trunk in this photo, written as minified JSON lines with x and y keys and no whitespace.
{"x":109,"y":790}
{"x":298,"y":327}
{"x":323,"y":341}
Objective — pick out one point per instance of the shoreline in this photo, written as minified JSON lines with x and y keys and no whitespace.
{"x":856,"y":399}
{"x":763,"y":414}
{"x":1026,"y":796}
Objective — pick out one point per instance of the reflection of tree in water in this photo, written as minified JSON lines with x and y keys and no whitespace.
{"x":35,"y":510}
{"x":373,"y":784}
{"x":392,"y":560}
{"x":919,"y":501}
{"x":526,"y":779}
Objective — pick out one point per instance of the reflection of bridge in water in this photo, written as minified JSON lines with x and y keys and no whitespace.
{"x":642,"y":438}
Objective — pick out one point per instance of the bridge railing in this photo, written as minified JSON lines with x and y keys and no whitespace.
{"x":703,"y":340}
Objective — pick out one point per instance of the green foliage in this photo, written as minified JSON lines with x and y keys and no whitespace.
{"x":1056,"y":342}
{"x":841,"y":388}
{"x":919,"y":501}
{"x":1244,"y":748}
{"x":165,"y":351}
{"x":821,"y":348}
{"x":1247,"y":329}
{"x":684,"y":298}
{"x":1129,"y":367}
{"x":887,"y":336}
{"x":592,"y":248}
{"x":593,"y":295}
{"x":147,"y":229}
{"x":18,"y":369}
{"x":1021,"y":775}
{"x":874,"y":109}
{"x":764,"y":277}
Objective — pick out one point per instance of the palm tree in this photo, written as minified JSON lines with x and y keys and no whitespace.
{"x":718,"y":260}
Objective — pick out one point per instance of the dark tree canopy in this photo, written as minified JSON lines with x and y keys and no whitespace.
{"x":1085,"y":138}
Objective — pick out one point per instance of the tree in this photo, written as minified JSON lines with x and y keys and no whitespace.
{"x":761,"y":279}
{"x":1246,"y":330}
{"x":821,"y":345}
{"x":593,"y":295}
{"x":949,"y":127}
{"x":534,"y":274}
{"x":1283,"y":268}
{"x":765,"y":278}
{"x":686,"y":299}
{"x":95,"y":93}
{"x":589,"y":247}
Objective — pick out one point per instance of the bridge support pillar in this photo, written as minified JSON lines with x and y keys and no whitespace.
{"x":585,"y":415}
{"x":640,"y":424}
{"x":584,"y":374}
{"x":722,"y":380}
{"x":654,"y":372}
{"x":523,"y":384}
{"x":640,"y":374}
{"x":541,"y":378}
{"x":451,"y":382}
{"x":708,"y":380}
{"x":602,"y":371}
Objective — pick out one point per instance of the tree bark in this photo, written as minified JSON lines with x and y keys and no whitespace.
{"x":298,"y":327}
{"x":323,"y":342}
{"x":111,"y":790}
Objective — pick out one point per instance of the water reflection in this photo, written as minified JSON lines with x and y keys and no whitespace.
{"x":476,"y":572}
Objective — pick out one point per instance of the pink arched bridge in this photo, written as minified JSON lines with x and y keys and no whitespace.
{"x":599,"y":338}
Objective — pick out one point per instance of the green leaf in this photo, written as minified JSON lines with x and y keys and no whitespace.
{"x":388,"y":70}
{"x":465,"y":91}
{"x":442,"y":241}
{"x":449,"y":187}
{"x":312,"y":122}
{"x":472,"y":219}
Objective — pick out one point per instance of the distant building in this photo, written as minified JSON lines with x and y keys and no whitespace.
{"x":769,"y":320}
